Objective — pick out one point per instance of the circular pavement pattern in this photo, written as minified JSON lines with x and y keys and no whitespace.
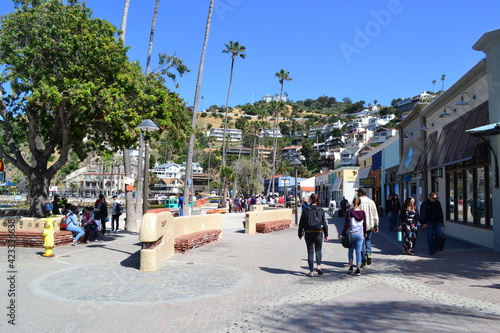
{"x":106,"y":283}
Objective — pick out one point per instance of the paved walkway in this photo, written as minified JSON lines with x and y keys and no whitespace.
{"x":253,"y":283}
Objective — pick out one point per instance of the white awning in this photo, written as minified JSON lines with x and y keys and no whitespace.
{"x":363,"y":173}
{"x":337,"y":183}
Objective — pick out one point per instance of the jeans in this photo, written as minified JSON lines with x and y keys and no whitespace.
{"x":314,"y":243}
{"x":393,"y":221}
{"x":357,"y":244}
{"x":73,"y":228}
{"x":434,"y":232}
{"x":367,"y":245}
{"x":113,"y":219}
{"x":91,"y":232}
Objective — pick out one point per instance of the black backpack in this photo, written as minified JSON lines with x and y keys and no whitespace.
{"x":314,"y":219}
{"x":119,"y":208}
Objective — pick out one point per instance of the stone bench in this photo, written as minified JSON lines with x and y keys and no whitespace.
{"x":34,"y":239}
{"x":268,"y":219}
{"x":184,"y":243}
{"x":271,"y":226}
{"x":162,"y":235}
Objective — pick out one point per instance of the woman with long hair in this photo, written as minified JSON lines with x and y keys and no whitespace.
{"x":409,"y":221}
{"x":355,"y":226}
{"x":315,"y":228}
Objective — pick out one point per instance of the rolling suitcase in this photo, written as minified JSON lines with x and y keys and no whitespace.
{"x":440,"y":242}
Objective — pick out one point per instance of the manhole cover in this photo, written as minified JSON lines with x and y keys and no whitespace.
{"x":436,"y":283}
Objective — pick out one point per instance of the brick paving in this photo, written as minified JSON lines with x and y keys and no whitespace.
{"x":254,"y":283}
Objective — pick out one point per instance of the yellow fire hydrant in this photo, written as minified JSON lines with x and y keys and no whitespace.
{"x":48,"y":237}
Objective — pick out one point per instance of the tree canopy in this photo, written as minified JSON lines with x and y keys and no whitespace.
{"x":67,"y":85}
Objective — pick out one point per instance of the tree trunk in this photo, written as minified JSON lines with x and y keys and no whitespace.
{"x":189,"y":163}
{"x":38,"y":192}
{"x":151,"y":37}
{"x":124,"y":20}
{"x":131,"y":223}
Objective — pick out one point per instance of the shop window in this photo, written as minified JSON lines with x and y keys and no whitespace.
{"x":471,"y":204}
{"x":450,"y":201}
{"x":460,"y":193}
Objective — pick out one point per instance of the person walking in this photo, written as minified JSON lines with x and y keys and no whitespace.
{"x":355,"y":226}
{"x":409,"y":221}
{"x":314,"y":228}
{"x":393,"y":208}
{"x":116,"y":211}
{"x":372,"y":221}
{"x":344,"y":204}
{"x":433,"y":220}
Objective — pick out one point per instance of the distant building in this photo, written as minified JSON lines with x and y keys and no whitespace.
{"x":235,"y":135}
{"x":408,"y":103}
{"x":290,"y":153}
{"x":269,"y":98}
{"x":270,"y":133}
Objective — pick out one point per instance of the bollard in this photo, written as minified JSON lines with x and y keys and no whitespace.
{"x":48,"y":237}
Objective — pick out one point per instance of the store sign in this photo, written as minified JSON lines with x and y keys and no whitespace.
{"x":367,"y":182}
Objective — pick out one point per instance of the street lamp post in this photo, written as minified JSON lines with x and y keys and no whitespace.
{"x":296,"y":163}
{"x":146,"y":126}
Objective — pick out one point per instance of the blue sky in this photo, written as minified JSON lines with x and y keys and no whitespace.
{"x":364,"y":50}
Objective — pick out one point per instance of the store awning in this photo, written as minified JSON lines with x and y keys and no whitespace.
{"x":363,"y":173}
{"x":337,"y":183}
{"x":425,"y":158}
{"x":455,"y":144}
{"x":411,"y":154}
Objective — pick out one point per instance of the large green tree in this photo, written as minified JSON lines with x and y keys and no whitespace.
{"x":67,"y":85}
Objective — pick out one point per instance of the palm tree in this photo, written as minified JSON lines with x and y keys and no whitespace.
{"x":189,"y":163}
{"x":282,"y":76}
{"x":131,"y":223}
{"x":124,"y":20}
{"x":236,"y":50}
{"x":433,"y":84}
{"x":151,"y":36}
{"x":443,"y":77}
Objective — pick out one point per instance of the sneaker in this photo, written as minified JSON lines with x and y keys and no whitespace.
{"x":74,"y":243}
{"x":87,"y":242}
{"x":363,"y":264}
{"x":357,"y":273}
{"x":368,"y":258}
{"x":350,"y":270}
{"x":320,"y":272}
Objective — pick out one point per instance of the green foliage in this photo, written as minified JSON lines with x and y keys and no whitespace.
{"x":68,"y":86}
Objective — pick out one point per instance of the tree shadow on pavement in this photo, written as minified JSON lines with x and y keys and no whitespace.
{"x":469,"y":265}
{"x":354,"y":314}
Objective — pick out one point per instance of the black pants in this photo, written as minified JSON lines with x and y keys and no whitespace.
{"x":314,"y":243}
{"x":113,"y":219}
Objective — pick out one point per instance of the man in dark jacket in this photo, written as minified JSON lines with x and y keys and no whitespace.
{"x":433,"y":220}
{"x":393,"y":207}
